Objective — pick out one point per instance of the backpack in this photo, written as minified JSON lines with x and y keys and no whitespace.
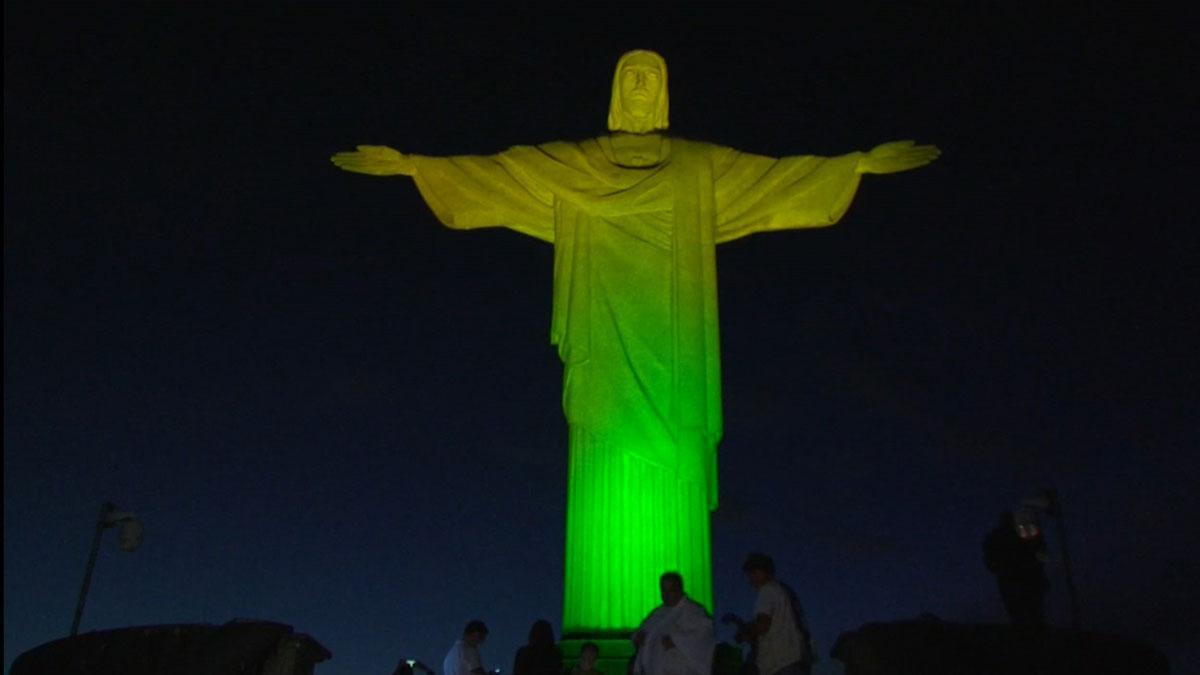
{"x":806,"y":641}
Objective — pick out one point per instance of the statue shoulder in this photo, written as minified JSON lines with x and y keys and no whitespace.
{"x":564,"y":146}
{"x":569,"y":152}
{"x":699,"y":146}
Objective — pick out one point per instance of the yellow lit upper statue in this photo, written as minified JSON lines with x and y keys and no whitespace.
{"x":634,"y":218}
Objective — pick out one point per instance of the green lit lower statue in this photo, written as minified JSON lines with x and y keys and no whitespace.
{"x":635,"y":218}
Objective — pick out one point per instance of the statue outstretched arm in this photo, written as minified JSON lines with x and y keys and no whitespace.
{"x":375,"y":160}
{"x":464,"y":191}
{"x":897,"y":156}
{"x":759,"y":194}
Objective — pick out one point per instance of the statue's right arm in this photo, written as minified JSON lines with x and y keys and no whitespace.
{"x":464,"y":191}
{"x":375,"y":160}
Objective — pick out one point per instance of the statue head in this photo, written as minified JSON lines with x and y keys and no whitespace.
{"x":639,"y":93}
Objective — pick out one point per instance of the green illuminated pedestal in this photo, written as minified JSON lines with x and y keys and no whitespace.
{"x":628,"y":521}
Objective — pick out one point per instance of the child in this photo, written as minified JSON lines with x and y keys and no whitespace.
{"x":588,"y":654}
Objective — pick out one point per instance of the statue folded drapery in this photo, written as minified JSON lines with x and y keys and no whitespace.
{"x":635,"y":323}
{"x":634,"y":218}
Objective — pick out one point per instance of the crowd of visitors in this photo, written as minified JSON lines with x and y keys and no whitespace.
{"x":678,"y":637}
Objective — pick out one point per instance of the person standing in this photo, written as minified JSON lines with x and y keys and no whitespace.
{"x":1020,"y":575}
{"x":541,"y":656}
{"x":677,"y":638}
{"x":463,"y":657}
{"x":778,"y":628}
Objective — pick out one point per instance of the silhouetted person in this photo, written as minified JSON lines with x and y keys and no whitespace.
{"x":403,"y":668}
{"x":677,"y":638}
{"x":463,"y":657}
{"x":589,"y":653}
{"x":744,"y":635}
{"x":540,"y":656}
{"x":1018,"y":570}
{"x":778,"y":633}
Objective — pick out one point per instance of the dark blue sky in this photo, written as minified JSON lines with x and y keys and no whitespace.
{"x":332,"y":412}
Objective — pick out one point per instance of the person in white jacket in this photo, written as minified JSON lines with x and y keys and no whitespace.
{"x":677,"y":638}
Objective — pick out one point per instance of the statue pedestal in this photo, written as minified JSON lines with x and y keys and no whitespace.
{"x":629,"y":520}
{"x":615,"y":653}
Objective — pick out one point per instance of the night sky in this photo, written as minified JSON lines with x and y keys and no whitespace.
{"x":332,"y":412}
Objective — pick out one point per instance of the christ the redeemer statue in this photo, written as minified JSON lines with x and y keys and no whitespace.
{"x":635,"y":217}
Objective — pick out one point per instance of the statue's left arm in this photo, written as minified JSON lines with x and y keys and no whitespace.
{"x":758,"y":194}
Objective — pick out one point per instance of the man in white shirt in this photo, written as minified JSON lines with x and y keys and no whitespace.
{"x":677,"y":638}
{"x":778,"y":625}
{"x":463,"y":657}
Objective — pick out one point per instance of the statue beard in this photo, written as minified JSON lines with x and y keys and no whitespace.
{"x":636,"y":125}
{"x":654,"y":119}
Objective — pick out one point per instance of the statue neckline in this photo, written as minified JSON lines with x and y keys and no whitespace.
{"x":638,"y":151}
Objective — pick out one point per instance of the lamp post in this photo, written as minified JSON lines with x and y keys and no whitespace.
{"x":131,"y":538}
{"x":1049,"y":503}
{"x":1055,"y":509}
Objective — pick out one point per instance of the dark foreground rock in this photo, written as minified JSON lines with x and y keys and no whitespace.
{"x":236,"y":648}
{"x":934,"y":647}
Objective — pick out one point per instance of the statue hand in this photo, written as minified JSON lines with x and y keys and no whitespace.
{"x":376,"y":160}
{"x":897,"y":156}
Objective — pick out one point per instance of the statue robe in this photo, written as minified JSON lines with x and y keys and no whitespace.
{"x":635,"y":323}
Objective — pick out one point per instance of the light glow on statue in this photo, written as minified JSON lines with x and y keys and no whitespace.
{"x":634,"y":218}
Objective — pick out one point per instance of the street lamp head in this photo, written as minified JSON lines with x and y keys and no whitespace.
{"x":131,"y":535}
{"x":131,"y":529}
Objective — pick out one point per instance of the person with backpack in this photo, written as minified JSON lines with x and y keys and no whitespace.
{"x":778,"y":631}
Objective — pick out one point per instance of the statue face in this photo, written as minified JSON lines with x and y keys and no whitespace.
{"x":641,"y":81}
{"x":639,"y":102}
